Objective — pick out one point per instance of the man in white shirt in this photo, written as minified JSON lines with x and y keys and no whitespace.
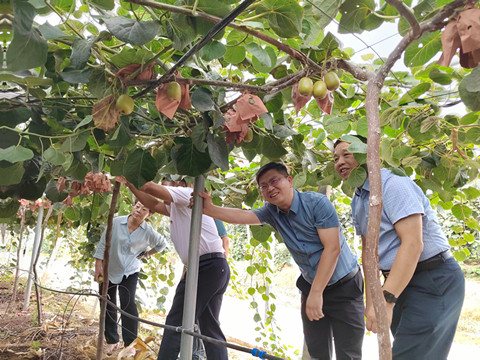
{"x":131,"y":238}
{"x":214,"y":272}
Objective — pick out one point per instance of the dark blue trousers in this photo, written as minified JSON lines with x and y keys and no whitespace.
{"x":126,"y":291}
{"x":213,"y":277}
{"x":344,"y":322}
{"x":426,"y":314}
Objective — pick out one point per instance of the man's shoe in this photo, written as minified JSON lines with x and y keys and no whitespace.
{"x":110,"y":348}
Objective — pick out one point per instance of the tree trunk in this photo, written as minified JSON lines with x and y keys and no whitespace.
{"x":370,"y":262}
{"x":106,"y":259}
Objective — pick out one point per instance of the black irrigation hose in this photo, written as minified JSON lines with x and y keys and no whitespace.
{"x":206,"y":38}
{"x":255,"y":352}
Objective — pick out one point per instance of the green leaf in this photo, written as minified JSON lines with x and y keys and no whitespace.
{"x":81,"y":52}
{"x":429,"y":122}
{"x":413,"y":94}
{"x":261,"y":233}
{"x":402,"y":152}
{"x":469,"y":119}
{"x":140,"y":167}
{"x":283,"y":16}
{"x":473,"y":135}
{"x":104,"y":4}
{"x":202,"y":99}
{"x":440,"y":77}
{"x":472,"y":223}
{"x":76,"y":76}
{"x":272,"y":148}
{"x":336,"y":125}
{"x":472,"y":193}
{"x":461,"y":212}
{"x":260,"y":53}
{"x":212,"y":50}
{"x":181,"y":31}
{"x":12,"y":174}
{"x":8,"y":208}
{"x":325,"y":10}
{"x":422,"y":50}
{"x":263,"y":67}
{"x":88,"y":119}
{"x":460,"y":255}
{"x":132,"y":31}
{"x":54,"y":156}
{"x":357,"y":177}
{"x":358,"y":148}
{"x":329,"y":43}
{"x":353,"y":14}
{"x":28,"y":48}
{"x":188,"y":160}
{"x":470,"y":99}
{"x":217,"y":149}
{"x":235,"y":54}
{"x":97,"y":83}
{"x":50,"y":32}
{"x":75,"y":142}
{"x":15,"y":154}
{"x":72,"y":213}
{"x":472,"y":81}
{"x":32,"y":189}
{"x":299,"y":180}
{"x":52,"y":194}
{"x":77,"y":170}
{"x":130,"y":56}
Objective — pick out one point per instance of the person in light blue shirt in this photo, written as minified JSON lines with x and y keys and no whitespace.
{"x":331,"y":283}
{"x":132,"y":239}
{"x":424,"y":286}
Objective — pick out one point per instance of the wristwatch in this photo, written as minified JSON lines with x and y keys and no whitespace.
{"x":389,"y":297}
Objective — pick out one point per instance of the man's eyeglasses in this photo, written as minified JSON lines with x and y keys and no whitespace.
{"x":273,"y":182}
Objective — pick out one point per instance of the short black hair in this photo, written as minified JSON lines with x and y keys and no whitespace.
{"x":282,"y":169}
{"x":359,"y":137}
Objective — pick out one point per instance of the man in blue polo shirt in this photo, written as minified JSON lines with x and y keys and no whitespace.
{"x":331,"y":283}
{"x":424,"y":286}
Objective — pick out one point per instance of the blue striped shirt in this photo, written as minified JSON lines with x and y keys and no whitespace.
{"x":401,"y":198}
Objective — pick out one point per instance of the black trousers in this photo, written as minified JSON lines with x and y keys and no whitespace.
{"x":126,"y":291}
{"x":344,"y":322}
{"x":213,"y":277}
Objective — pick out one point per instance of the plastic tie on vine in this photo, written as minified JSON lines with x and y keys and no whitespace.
{"x":258,"y":353}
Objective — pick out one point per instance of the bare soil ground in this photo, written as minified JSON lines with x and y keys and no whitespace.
{"x":69,"y":330}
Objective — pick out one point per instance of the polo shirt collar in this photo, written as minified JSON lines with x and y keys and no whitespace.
{"x":295,"y":204}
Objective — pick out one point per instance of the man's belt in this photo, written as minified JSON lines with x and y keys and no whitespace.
{"x":429,"y":264}
{"x":213,"y":255}
{"x":347,"y":277}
